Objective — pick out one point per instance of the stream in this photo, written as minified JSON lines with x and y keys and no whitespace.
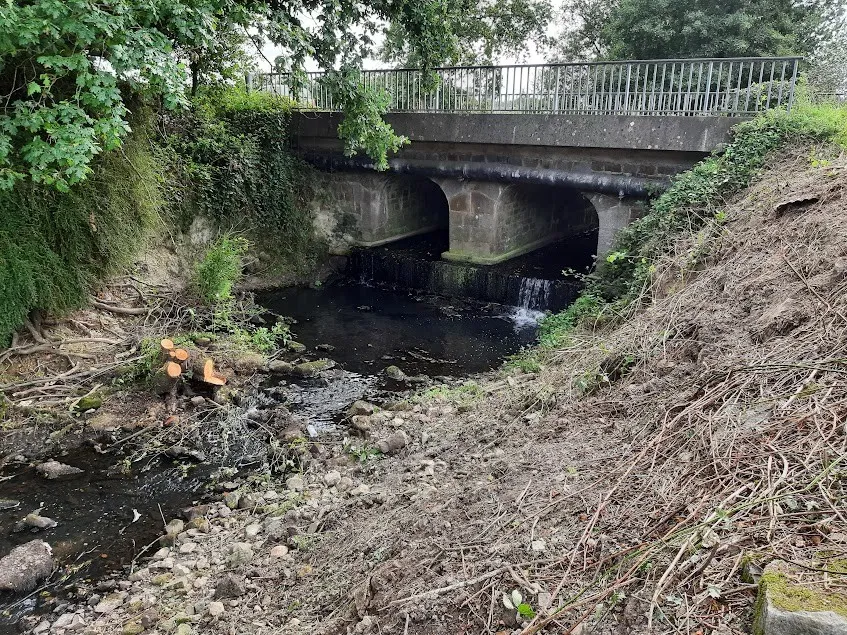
{"x":108,"y":514}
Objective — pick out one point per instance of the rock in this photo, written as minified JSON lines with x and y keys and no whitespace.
{"x":538,"y":545}
{"x":110,"y":603}
{"x":296,"y":347}
{"x":240,"y":553}
{"x":394,"y":443}
{"x":165,"y":563}
{"x":230,"y":586}
{"x":332,"y":478}
{"x":361,"y":490}
{"x":176,"y":526}
{"x":291,"y":434}
{"x":345,"y":484}
{"x":25,"y":566}
{"x":250,"y":362}
{"x":327,"y":348}
{"x":280,"y":551}
{"x":295,"y":483}
{"x":187,"y":547}
{"x":54,"y":471}
{"x":198,"y":400}
{"x":361,"y":408}
{"x":200,"y":524}
{"x":183,"y":629}
{"x":251,"y":531}
{"x":312,"y":369}
{"x":161,"y":554}
{"x":394,"y":372}
{"x":181,"y":570}
{"x":362,"y":423}
{"x":35,"y":523}
{"x":275,"y":530}
{"x":67,"y":621}
{"x":231,"y":499}
{"x":215,"y":609}
{"x":787,"y":606}
{"x":89,"y":402}
{"x":280,"y":367}
{"x":224,"y":512}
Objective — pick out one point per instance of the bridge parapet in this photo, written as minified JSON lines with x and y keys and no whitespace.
{"x":706,"y":86}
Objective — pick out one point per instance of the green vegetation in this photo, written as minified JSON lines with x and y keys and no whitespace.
{"x":220,"y":268}
{"x":69,"y":66}
{"x":695,"y":199}
{"x":788,"y":596}
{"x":54,"y":245}
{"x":462,"y":395}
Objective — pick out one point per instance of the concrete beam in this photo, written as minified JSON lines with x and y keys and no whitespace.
{"x":675,"y":134}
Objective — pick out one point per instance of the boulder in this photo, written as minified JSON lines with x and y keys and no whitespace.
{"x":25,"y":566}
{"x":55,"y":471}
{"x":230,"y":586}
{"x":296,"y":347}
{"x":394,"y":372}
{"x":394,"y":443}
{"x":361,"y":408}
{"x":313,"y":369}
{"x":791,"y":602}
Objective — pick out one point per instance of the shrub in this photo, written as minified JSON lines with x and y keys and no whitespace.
{"x":54,"y":245}
{"x":220,"y":269}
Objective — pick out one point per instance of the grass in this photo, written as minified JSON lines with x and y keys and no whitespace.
{"x":220,"y":269}
{"x":694,"y":199}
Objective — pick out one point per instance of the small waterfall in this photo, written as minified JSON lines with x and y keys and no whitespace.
{"x":488,"y":284}
{"x":534,"y":293}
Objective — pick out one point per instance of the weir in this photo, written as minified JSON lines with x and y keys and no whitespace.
{"x":535,"y":281}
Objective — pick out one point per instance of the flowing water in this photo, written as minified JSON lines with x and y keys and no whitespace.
{"x":106,"y":516}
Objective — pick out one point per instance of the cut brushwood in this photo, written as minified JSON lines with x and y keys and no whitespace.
{"x":166,"y":378}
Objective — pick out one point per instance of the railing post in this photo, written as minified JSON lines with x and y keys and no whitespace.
{"x":556,"y":90}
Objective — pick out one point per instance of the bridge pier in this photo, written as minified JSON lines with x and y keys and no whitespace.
{"x":613,"y":214}
{"x":492,"y":222}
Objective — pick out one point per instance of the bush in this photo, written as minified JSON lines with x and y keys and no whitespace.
{"x":694,"y":199}
{"x":233,"y":150}
{"x":220,"y":269}
{"x":54,"y":246}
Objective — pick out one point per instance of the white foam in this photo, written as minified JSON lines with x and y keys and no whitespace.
{"x":524,"y":318}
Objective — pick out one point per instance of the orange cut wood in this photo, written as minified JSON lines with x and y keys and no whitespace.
{"x":179,"y":354}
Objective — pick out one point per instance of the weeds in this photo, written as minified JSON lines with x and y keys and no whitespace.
{"x":220,"y":268}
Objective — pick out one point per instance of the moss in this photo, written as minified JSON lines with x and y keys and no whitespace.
{"x":782,"y":593}
{"x":311,"y":369}
{"x":91,"y":402}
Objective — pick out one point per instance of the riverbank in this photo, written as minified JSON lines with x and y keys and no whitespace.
{"x":636,"y":483}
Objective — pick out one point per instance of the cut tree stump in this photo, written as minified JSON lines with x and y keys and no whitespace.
{"x":166,"y":378}
{"x":204,"y":373}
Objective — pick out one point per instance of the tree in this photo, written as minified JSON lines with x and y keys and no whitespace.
{"x":828,"y":46}
{"x":483,"y":31}
{"x":68,"y":66}
{"x":654,"y":29}
{"x":581,"y":37}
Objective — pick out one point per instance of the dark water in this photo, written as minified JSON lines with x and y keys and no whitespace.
{"x":94,"y":513}
{"x":368,"y":329}
{"x":372,"y":328}
{"x":545,"y":279}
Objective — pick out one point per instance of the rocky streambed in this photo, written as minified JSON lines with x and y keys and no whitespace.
{"x":171,"y":540}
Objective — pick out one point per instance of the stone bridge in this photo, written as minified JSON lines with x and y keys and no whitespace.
{"x":510,"y":159}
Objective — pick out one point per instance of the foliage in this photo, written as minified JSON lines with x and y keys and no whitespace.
{"x":693,"y":200}
{"x":581,"y":35}
{"x":220,"y":268}
{"x":484,"y":30}
{"x":54,"y":246}
{"x":828,"y":46}
{"x":231,"y":151}
{"x":363,"y":127}
{"x":654,"y":29}
{"x":266,"y":340}
{"x":464,"y":394}
{"x":68,"y":65}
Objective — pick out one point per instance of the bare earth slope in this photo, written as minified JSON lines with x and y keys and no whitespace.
{"x":630,"y":482}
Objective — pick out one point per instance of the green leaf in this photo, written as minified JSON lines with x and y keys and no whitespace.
{"x":526,"y":611}
{"x":32,"y":88}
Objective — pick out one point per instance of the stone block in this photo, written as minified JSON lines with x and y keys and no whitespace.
{"x":794,"y":601}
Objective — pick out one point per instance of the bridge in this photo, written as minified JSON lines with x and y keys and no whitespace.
{"x":512,"y":158}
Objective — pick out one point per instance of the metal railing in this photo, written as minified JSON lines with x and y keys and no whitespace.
{"x":730,"y":86}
